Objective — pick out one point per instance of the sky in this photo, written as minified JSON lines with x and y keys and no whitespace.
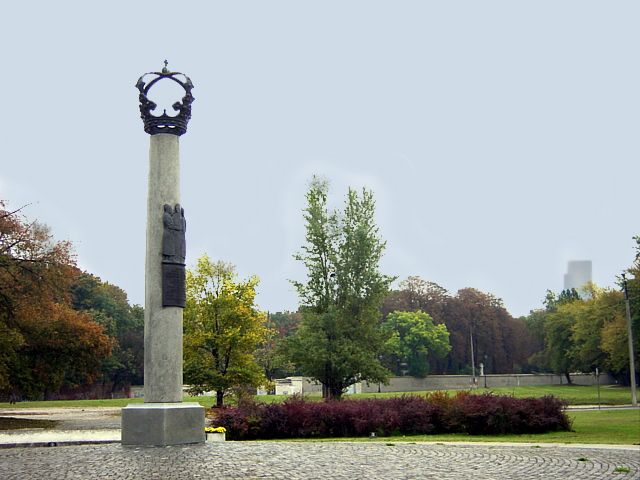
{"x":500,"y":138}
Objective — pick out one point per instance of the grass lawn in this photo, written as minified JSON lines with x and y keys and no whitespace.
{"x":621,"y":427}
{"x":574,"y":394}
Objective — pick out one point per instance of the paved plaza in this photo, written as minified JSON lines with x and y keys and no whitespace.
{"x":320,"y":460}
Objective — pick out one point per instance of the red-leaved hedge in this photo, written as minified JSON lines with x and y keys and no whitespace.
{"x":406,"y":415}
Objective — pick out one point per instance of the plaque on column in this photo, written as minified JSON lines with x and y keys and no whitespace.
{"x":173,"y":257}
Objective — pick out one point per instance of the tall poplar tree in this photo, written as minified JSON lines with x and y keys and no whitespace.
{"x":339,"y":340}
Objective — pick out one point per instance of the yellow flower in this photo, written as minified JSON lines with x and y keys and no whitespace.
{"x":215,"y":430}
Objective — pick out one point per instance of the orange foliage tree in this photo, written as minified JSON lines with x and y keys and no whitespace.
{"x":44,"y":342}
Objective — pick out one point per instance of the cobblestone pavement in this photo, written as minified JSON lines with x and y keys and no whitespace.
{"x":328,"y":460}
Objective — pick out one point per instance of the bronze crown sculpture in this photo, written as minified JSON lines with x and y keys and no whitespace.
{"x":176,"y":125}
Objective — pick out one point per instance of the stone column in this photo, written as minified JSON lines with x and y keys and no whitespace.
{"x":163,"y":419}
{"x":162,"y":325}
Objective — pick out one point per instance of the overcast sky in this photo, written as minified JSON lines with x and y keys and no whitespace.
{"x":500,"y":138}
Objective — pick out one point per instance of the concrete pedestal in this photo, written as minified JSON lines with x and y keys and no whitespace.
{"x":162,"y":424}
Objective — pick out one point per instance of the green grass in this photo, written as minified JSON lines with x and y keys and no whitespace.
{"x":618,"y":427}
{"x":575,"y":395}
{"x":622,"y":469}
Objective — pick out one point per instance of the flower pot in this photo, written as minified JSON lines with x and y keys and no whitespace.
{"x":215,"y":437}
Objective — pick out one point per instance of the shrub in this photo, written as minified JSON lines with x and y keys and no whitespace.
{"x":490,"y":414}
{"x":406,"y":415}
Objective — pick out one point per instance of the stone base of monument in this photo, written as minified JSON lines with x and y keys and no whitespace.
{"x":163,"y":424}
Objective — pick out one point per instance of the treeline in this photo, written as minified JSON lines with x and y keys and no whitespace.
{"x":574,"y":332}
{"x":62,"y":331}
{"x":352,"y":327}
{"x":502,"y":343}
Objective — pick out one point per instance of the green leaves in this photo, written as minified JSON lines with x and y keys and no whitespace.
{"x":581,"y":334}
{"x":412,"y":337}
{"x":108,"y":305}
{"x":222,"y":330}
{"x":338,"y":342}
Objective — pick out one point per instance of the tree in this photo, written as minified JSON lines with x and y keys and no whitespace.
{"x":272,"y":354}
{"x":63,"y":347}
{"x":46,"y":344}
{"x":558,"y":341}
{"x":553,"y":301}
{"x":633,"y":284}
{"x":600,"y":308}
{"x":107,"y":304}
{"x":412,"y":338}
{"x":534,"y":322}
{"x":418,"y":294}
{"x":581,"y":334}
{"x":33,"y":270}
{"x":551,"y":334}
{"x":339,"y":340}
{"x":614,"y":343}
{"x":501,"y":342}
{"x":222,"y":330}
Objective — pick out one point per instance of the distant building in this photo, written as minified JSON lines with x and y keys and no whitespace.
{"x":578,"y":274}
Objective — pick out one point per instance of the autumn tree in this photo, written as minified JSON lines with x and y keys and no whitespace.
{"x":45,"y":343}
{"x":614,"y":336}
{"x":108,"y":305}
{"x":417,"y":294}
{"x":222,"y":330}
{"x":502,"y":343}
{"x":599,"y":334}
{"x":63,"y":348}
{"x":614,"y":340}
{"x":339,"y":340}
{"x":633,"y":284}
{"x":412,"y":338}
{"x":583,"y":332}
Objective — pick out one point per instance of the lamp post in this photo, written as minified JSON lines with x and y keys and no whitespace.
{"x":598,"y":383}
{"x":632,"y":367}
{"x":485,"y":371}
{"x":473,"y":360}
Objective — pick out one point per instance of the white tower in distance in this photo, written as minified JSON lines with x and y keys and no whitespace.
{"x":578,"y":274}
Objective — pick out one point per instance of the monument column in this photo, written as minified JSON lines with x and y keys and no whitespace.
{"x":164,"y":419}
{"x":162,"y":325}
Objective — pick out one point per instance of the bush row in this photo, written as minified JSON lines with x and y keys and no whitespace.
{"x":435,"y":413}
